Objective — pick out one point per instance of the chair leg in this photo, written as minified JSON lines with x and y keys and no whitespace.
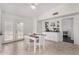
{"x":43,"y":44}
{"x":28,"y":46}
{"x":39,"y":46}
{"x":25,"y":44}
{"x":34,"y":46}
{"x":1,"y":47}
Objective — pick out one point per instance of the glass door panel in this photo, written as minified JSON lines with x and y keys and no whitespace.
{"x":8,"y":31}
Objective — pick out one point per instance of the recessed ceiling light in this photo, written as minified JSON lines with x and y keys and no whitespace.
{"x":33,"y":7}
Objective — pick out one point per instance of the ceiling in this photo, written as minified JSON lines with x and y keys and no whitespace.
{"x":24,"y":9}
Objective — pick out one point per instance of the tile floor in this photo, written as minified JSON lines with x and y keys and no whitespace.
{"x":52,"y":48}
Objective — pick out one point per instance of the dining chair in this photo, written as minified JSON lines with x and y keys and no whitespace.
{"x":27,"y":42}
{"x":41,"y":42}
{"x":38,"y":42}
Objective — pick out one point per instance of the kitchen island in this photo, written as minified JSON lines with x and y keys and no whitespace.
{"x":53,"y":36}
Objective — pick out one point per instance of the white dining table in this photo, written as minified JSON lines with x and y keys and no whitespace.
{"x":35,"y":38}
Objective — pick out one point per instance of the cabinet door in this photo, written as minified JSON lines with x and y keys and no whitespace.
{"x":52,"y":36}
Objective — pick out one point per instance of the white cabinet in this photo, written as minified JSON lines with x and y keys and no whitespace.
{"x":52,"y":36}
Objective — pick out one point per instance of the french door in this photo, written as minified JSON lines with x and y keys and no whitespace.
{"x":13,"y":30}
{"x":8,"y":30}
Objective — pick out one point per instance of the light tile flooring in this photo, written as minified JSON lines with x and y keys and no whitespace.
{"x":52,"y":48}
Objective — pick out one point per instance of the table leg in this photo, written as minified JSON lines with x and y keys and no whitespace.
{"x":28,"y":45}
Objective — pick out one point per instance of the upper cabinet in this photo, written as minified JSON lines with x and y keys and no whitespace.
{"x":51,"y":25}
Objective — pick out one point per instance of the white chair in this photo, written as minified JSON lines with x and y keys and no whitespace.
{"x":27,"y":42}
{"x":39,"y":43}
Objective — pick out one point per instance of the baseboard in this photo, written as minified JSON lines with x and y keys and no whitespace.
{"x":8,"y":42}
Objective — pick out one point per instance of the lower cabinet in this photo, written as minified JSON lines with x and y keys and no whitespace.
{"x":52,"y":36}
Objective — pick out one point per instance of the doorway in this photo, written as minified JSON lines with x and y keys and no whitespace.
{"x":67,"y":28}
{"x":13,"y":31}
{"x":8,"y":30}
{"x":19,"y":30}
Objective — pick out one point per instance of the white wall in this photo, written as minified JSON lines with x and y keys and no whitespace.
{"x":76,"y":29}
{"x":28,"y":27}
{"x":62,"y":10}
{"x":28,"y":22}
{"x":39,"y":27}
